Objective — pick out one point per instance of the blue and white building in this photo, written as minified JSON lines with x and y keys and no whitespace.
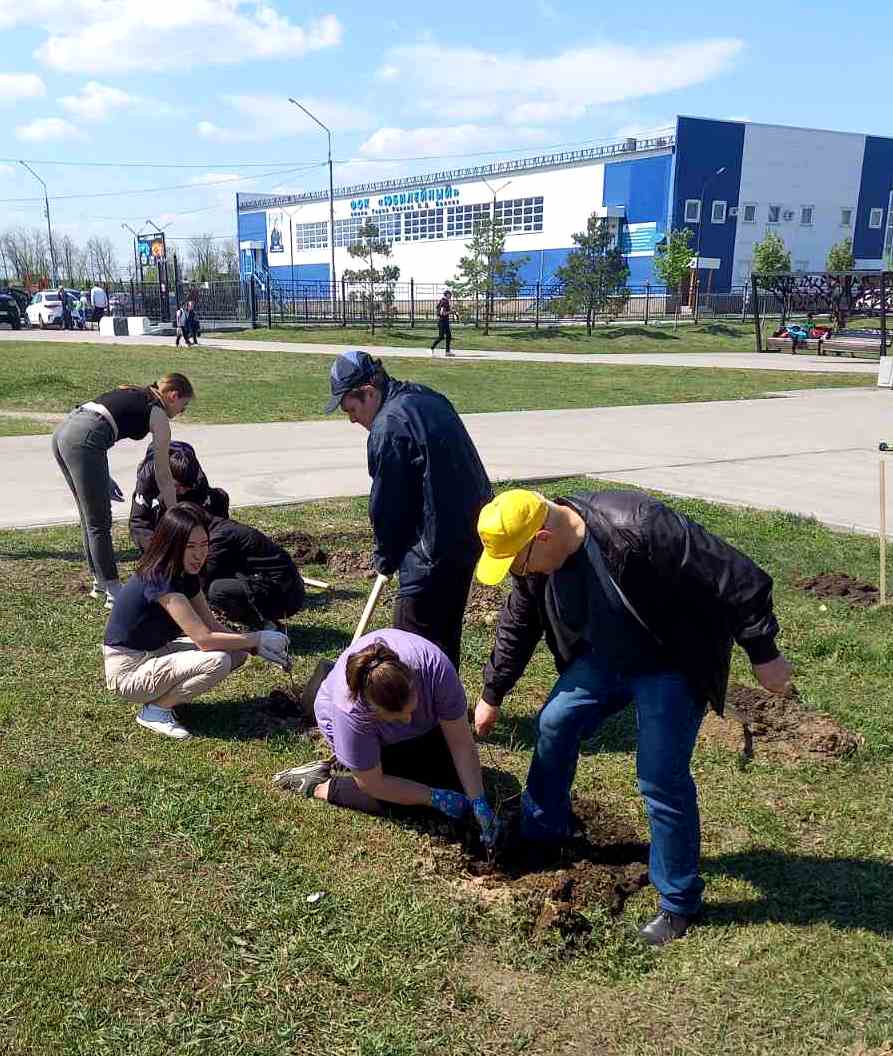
{"x":732,"y":180}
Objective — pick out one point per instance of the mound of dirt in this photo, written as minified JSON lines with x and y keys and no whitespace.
{"x":351,"y":563}
{"x":840,"y":585}
{"x":279,"y":712}
{"x":304,"y":548}
{"x":484,"y":604}
{"x":604,"y":865}
{"x":779,"y":725}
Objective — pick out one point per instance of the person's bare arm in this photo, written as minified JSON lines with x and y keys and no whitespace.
{"x":382,"y":786}
{"x":160,"y":428}
{"x":464,"y":751}
{"x":200,"y":604}
{"x":181,"y":611}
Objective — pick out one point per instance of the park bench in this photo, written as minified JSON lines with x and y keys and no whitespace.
{"x":787,"y":344}
{"x":865,"y":342}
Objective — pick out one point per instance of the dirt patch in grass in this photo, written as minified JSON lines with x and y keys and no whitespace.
{"x":305,"y":549}
{"x":484,"y":604}
{"x":779,"y":726}
{"x":840,"y":585}
{"x":549,"y":890}
{"x":351,"y":563}
{"x":279,"y":712}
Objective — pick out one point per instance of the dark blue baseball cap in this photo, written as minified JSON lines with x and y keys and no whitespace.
{"x":350,"y":371}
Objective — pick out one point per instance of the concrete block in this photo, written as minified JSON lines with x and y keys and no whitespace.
{"x":138,"y":324}
{"x":113,"y":326}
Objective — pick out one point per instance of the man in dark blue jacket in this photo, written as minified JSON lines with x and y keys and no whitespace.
{"x":428,"y":487}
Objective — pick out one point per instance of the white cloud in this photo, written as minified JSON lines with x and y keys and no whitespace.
{"x":6,"y":170}
{"x":47,"y":129}
{"x":521,"y":89}
{"x":14,"y":87}
{"x":98,"y":101}
{"x":450,"y":139}
{"x":272,"y":117}
{"x":210,"y":178}
{"x":645,"y":128}
{"x":120,"y":36}
{"x":387,"y":73}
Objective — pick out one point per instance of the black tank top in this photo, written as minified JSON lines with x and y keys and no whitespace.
{"x":131,"y":409}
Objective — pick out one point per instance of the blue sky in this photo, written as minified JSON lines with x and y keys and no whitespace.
{"x":203,"y":84}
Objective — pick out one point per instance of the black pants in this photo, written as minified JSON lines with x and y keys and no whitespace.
{"x":436,"y":611}
{"x":443,"y":334}
{"x":253,"y":600}
{"x":424,"y":759}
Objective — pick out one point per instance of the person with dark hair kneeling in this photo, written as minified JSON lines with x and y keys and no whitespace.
{"x":395,"y":714}
{"x":146,"y":659}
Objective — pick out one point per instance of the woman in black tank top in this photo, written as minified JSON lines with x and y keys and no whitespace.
{"x":81,"y":445}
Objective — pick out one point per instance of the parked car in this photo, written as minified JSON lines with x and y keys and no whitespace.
{"x":45,"y":309}
{"x":21,"y":297}
{"x":9,"y":311}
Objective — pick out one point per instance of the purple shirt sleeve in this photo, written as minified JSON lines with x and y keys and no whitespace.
{"x":450,"y":701}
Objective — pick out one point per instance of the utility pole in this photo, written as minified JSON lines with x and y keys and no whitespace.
{"x":46,"y":201}
{"x":491,"y":293}
{"x":711,"y":177}
{"x":328,"y":132}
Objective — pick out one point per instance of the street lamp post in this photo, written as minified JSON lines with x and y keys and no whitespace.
{"x":711,"y":177}
{"x":137,"y":263}
{"x":328,"y":132}
{"x":46,"y":201}
{"x":491,"y":293}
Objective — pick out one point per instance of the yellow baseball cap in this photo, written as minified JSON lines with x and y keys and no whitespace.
{"x":506,"y":525}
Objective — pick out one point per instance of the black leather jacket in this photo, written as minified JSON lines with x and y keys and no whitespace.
{"x":695,"y":593}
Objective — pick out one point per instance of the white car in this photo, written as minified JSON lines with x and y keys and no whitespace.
{"x":45,"y":309}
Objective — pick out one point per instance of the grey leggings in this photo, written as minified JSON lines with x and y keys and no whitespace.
{"x":81,"y":445}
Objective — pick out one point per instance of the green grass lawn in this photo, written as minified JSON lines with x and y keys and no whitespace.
{"x":153,"y":895}
{"x":269,"y":385}
{"x":713,"y":336}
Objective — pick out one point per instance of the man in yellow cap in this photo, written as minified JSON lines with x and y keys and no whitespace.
{"x":639,"y":605}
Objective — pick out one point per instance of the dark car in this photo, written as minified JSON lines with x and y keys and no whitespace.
{"x":9,"y":311}
{"x":20,"y":296}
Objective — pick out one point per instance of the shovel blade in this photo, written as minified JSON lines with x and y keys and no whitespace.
{"x":308,"y":697}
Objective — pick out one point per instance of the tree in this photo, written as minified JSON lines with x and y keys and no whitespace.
{"x":485,"y":271}
{"x":72,"y":261}
{"x":102,"y":261}
{"x":771,"y":257}
{"x":594,"y":274}
{"x":367,"y":247}
{"x":229,"y":260}
{"x":840,"y":257}
{"x":672,"y":259}
{"x":27,"y":255}
{"x":204,"y":256}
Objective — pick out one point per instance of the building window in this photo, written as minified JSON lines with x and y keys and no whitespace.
{"x":806,"y":212}
{"x":422,"y":224}
{"x":520,"y":214}
{"x":876,"y":218}
{"x":718,"y":213}
{"x":744,"y":269}
{"x":348,"y":231}
{"x":390,"y":226}
{"x":774,"y":214}
{"x":692,"y":210}
{"x":750,"y":214}
{"x":312,"y":236}
{"x":846,"y":217}
{"x":462,"y":220}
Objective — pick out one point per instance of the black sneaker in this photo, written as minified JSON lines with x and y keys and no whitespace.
{"x":303,"y":779}
{"x":666,"y":927}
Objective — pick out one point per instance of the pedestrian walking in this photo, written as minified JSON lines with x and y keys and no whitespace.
{"x":81,"y":445}
{"x":99,"y":301}
{"x":181,"y":324}
{"x":428,"y":487}
{"x":192,"y":329}
{"x":444,"y":333}
{"x":162,"y":645}
{"x":395,"y":715}
{"x":639,"y":605}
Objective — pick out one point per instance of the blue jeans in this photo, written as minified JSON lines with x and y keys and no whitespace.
{"x":668,"y":718}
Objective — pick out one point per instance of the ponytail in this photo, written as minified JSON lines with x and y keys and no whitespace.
{"x":377,"y":675}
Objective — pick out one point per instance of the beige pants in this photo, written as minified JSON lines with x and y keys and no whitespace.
{"x":179,"y":668}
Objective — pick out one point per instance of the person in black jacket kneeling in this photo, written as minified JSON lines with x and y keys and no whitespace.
{"x":638,"y":605}
{"x":428,"y":487}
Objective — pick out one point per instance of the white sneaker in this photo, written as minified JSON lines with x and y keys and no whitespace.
{"x":163,"y":721}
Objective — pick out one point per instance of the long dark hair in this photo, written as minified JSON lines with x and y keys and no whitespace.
{"x":377,"y":675}
{"x":163,"y":558}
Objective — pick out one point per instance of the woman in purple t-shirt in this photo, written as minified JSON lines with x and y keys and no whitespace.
{"x":395,"y":714}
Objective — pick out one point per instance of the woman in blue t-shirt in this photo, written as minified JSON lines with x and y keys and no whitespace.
{"x":395,"y":714}
{"x":147,"y":659}
{"x":81,"y":445}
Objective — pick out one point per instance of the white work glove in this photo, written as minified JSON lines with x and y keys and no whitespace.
{"x":273,"y":646}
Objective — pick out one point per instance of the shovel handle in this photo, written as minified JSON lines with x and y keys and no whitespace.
{"x":374,"y":595}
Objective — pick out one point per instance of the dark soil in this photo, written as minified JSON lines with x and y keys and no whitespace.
{"x":484,"y":604}
{"x":304,"y":548}
{"x":780,"y":726}
{"x":840,"y":585}
{"x":351,"y":563}
{"x":279,"y":712}
{"x":603,"y":866}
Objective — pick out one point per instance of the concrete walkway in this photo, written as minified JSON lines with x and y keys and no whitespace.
{"x":812,"y":453}
{"x":727,"y":360}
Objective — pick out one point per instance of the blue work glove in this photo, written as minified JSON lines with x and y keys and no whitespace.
{"x":453,"y":804}
{"x":487,"y":821}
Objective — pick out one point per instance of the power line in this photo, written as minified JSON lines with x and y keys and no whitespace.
{"x":145,"y":164}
